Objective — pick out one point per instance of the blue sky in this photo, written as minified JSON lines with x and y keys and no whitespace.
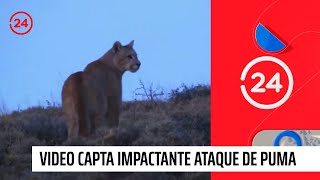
{"x":172,"y":39}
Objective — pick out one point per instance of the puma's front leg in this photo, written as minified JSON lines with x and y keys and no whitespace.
{"x":113,"y":114}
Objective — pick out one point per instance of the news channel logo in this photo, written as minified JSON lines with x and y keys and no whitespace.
{"x":287,"y":138}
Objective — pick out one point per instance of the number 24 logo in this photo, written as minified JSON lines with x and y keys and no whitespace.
{"x":274,"y":83}
{"x":19,"y":24}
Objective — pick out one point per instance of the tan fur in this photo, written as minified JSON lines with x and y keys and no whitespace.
{"x":93,"y":96}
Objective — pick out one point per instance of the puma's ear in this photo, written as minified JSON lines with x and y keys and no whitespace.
{"x":131,"y":43}
{"x":116,"y":46}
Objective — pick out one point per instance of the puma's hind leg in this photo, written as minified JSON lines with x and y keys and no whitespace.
{"x":73,"y":105}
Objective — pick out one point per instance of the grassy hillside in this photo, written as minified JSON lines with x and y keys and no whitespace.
{"x":182,"y":119}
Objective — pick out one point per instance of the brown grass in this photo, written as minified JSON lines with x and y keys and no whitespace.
{"x":182,"y":119}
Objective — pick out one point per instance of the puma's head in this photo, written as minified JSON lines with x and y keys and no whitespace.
{"x":125,"y":57}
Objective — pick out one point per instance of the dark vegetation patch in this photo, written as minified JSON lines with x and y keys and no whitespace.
{"x":182,"y":119}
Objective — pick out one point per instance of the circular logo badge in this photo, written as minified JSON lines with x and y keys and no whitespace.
{"x":270,"y":85}
{"x":21,"y":23}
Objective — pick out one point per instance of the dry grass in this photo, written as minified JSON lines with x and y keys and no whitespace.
{"x":183,"y":119}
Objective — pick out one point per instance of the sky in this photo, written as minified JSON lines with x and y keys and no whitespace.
{"x":172,"y":39}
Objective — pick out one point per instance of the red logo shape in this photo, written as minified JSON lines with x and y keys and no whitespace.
{"x":21,"y":20}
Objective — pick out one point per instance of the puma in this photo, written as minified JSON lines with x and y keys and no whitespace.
{"x":93,"y":96}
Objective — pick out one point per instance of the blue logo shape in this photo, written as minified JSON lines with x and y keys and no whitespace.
{"x":291,"y":134}
{"x":268,"y":41}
